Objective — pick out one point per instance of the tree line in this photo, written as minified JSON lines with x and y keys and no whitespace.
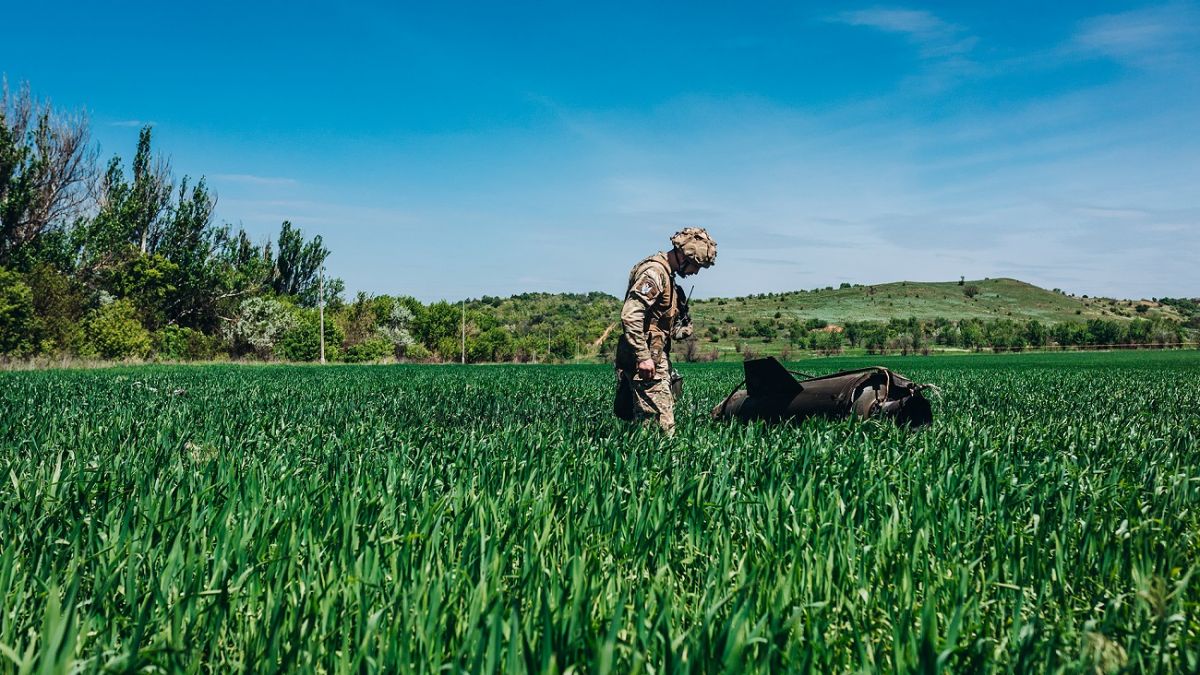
{"x":912,"y":335}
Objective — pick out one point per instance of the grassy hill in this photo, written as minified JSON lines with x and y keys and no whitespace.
{"x":996,"y":299}
{"x":589,"y":321}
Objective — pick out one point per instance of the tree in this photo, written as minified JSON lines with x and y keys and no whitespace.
{"x":150,"y":195}
{"x":359,"y":322}
{"x":394,"y":325}
{"x":1140,"y":330}
{"x":145,"y":280}
{"x":302,"y":342}
{"x":17,"y":318}
{"x":59,"y":305}
{"x":562,"y":347}
{"x":1104,"y":332}
{"x":131,"y":214}
{"x":971,"y":291}
{"x":437,"y":326}
{"x":827,"y":342}
{"x":46,"y":169}
{"x":763,"y":328}
{"x":1035,"y":333}
{"x":242,"y":269}
{"x":191,"y":244}
{"x":260,"y":324}
{"x":298,"y":264}
{"x":1066,"y":334}
{"x":494,"y":344}
{"x":971,"y":333}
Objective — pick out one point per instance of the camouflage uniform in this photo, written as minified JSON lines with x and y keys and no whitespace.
{"x":648,"y":316}
{"x":654,"y":314}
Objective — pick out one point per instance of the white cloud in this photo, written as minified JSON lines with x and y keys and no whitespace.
{"x":132,"y":123}
{"x":249,"y":179}
{"x":1144,"y":37}
{"x":936,"y":37}
{"x":915,"y":22}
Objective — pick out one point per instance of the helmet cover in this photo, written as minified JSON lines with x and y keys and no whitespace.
{"x":695,"y":245}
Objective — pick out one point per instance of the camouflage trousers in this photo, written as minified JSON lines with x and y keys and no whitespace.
{"x":653,"y":402}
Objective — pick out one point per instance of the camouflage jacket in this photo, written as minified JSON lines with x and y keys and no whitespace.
{"x":654,"y":305}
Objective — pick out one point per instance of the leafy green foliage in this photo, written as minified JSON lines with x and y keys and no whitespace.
{"x":180,"y":343}
{"x":302,"y":342}
{"x":46,"y":167}
{"x":60,"y":304}
{"x":370,"y":350}
{"x":143,"y":279}
{"x":297,"y":265}
{"x":420,"y":519}
{"x":113,"y":331}
{"x":132,"y":213}
{"x":17,"y":319}
{"x":260,"y":324}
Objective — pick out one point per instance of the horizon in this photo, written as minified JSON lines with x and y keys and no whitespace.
{"x":820,"y":289}
{"x":457,"y":152}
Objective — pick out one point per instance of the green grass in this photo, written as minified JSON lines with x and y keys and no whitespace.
{"x":393,"y":518}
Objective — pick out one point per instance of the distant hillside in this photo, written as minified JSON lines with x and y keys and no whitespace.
{"x":995,"y":299}
{"x":771,"y":322}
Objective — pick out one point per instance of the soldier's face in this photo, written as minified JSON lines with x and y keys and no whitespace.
{"x":689,"y":268}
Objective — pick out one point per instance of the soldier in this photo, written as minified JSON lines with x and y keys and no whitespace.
{"x":654,"y":314}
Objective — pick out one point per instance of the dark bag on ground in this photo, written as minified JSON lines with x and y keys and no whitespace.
{"x":772,"y":394}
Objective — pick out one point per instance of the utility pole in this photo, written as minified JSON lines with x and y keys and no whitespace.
{"x":321,"y":308}
{"x":464,"y":331}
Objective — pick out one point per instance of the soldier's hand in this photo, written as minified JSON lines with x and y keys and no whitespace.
{"x":646,"y":369}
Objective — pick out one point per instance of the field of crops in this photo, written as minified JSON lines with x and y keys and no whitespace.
{"x":480,"y":519}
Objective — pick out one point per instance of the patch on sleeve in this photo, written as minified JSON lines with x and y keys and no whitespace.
{"x":647,"y":288}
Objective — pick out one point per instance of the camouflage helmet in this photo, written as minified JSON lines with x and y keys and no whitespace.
{"x":695,"y":245}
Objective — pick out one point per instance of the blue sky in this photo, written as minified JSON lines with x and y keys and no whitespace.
{"x":458,"y":149}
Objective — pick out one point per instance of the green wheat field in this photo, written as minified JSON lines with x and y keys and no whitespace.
{"x":498,"y":519}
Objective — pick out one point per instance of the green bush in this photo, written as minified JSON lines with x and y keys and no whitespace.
{"x":176,"y":343}
{"x":303,"y":341}
{"x":495,"y":344}
{"x":261,"y":323}
{"x":113,"y":331}
{"x":449,"y":348}
{"x":373,"y":349}
{"x":417,"y":352}
{"x":60,"y":306}
{"x":17,"y":319}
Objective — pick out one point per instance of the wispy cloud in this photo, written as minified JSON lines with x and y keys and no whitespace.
{"x":775,"y":261}
{"x":330,"y":215}
{"x":132,"y":123}
{"x":934,"y":36}
{"x":249,"y":179}
{"x":1145,"y":37}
